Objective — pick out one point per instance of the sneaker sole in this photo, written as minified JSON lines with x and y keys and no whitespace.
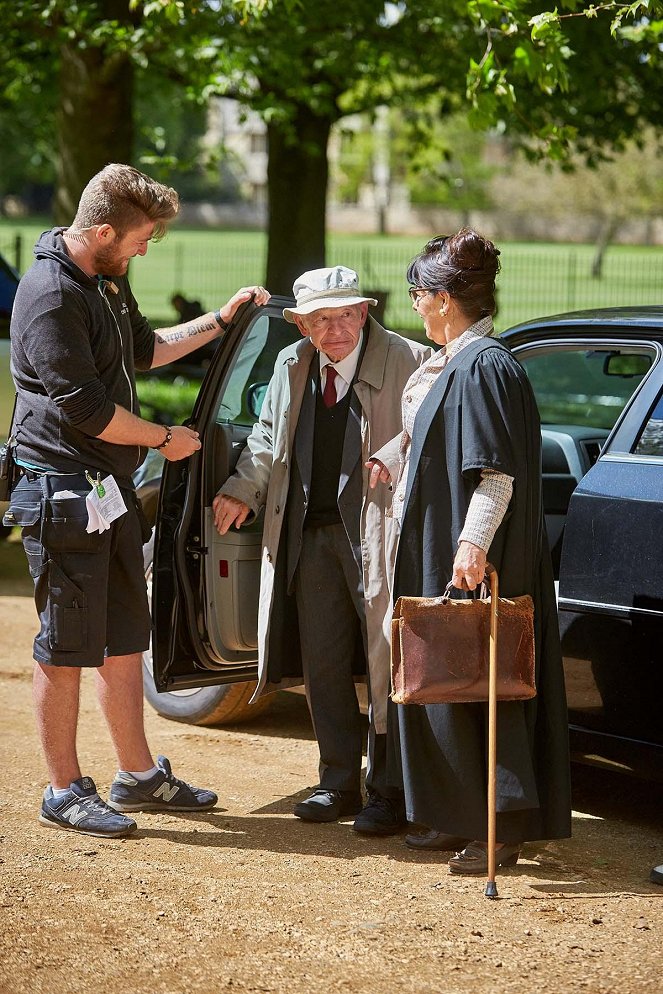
{"x":117,"y":834}
{"x":153,"y":806}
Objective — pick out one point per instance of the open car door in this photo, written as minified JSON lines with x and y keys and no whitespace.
{"x":205,"y":586}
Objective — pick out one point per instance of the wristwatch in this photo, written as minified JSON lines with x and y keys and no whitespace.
{"x":219,"y":320}
{"x":167,"y":439}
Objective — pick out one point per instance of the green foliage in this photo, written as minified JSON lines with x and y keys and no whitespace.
{"x":443,"y":165}
{"x":167,"y":400}
{"x":354,"y":164}
{"x":569,"y":83}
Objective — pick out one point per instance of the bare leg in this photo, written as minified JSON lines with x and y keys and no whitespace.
{"x":55,"y":692}
{"x":120,"y":693}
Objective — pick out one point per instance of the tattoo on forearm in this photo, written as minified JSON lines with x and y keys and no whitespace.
{"x":198,"y":327}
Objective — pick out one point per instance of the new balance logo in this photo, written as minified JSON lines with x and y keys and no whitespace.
{"x":74,"y":814}
{"x":163,"y":790}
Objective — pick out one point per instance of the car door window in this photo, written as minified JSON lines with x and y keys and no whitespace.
{"x":583,"y":386}
{"x":581,"y":390}
{"x":241,"y":400}
{"x":650,"y":442}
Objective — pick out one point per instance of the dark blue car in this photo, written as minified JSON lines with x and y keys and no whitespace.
{"x":8,"y":285}
{"x":598,"y":378}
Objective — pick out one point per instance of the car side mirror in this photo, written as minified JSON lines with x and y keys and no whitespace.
{"x":617,"y":364}
{"x":254,"y":398}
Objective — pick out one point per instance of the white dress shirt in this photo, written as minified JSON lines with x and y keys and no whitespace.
{"x":345,"y":370}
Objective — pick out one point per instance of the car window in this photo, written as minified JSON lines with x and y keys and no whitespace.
{"x":650,"y":442}
{"x":245,"y":390}
{"x":587,"y":387}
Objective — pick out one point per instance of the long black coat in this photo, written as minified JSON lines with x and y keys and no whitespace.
{"x":481,"y":414}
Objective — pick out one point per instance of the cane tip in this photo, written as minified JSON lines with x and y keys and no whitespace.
{"x":491,"y":889}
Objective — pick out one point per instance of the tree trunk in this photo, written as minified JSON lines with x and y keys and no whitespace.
{"x":94,"y":121}
{"x":297,"y":186}
{"x":608,"y":229}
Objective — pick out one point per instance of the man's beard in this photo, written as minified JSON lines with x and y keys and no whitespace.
{"x":107,"y":262}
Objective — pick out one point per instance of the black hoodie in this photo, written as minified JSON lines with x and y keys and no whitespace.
{"x":75,"y":345}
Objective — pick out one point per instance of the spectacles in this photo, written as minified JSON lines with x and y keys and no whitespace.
{"x":416,"y":292}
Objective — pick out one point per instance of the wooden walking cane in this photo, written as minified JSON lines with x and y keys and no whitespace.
{"x":491,"y":886}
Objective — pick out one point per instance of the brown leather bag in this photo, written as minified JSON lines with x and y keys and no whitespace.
{"x":440,"y":649}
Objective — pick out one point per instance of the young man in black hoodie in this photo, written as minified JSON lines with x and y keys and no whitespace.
{"x":77,"y":337}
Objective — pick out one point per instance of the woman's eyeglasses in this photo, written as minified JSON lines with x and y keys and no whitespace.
{"x":417,"y":292}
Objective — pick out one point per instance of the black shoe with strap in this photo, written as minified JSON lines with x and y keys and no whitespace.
{"x":328,"y":805}
{"x":381,"y":816}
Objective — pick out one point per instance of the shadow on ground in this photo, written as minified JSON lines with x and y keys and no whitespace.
{"x":15,"y":580}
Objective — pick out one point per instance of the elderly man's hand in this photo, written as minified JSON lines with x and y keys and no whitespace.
{"x":229,"y":511}
{"x":378,"y":473}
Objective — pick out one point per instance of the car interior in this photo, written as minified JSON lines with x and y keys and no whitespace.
{"x":581,"y":390}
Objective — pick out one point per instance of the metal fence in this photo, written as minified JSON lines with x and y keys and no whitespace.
{"x":535,"y":280}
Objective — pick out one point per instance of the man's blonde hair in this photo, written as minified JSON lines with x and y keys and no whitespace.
{"x":125,"y":198}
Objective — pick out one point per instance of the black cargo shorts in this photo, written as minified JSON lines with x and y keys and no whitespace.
{"x":90,"y":589}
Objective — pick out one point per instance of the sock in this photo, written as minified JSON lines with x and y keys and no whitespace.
{"x":59,"y":791}
{"x":144,"y":775}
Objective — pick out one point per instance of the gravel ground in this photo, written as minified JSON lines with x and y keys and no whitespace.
{"x":248,"y":898}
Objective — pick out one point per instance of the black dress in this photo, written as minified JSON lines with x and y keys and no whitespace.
{"x":481,"y":414}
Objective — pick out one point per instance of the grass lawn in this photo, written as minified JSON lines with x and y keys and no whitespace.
{"x":536,"y":278}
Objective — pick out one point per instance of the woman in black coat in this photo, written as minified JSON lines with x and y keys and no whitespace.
{"x":468,"y":491}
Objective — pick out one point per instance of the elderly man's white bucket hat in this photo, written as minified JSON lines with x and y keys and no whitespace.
{"x":336,"y":286}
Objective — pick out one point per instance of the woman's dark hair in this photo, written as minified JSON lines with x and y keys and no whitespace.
{"x":463,"y":265}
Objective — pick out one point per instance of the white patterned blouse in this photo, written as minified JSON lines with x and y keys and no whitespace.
{"x":491,"y":498}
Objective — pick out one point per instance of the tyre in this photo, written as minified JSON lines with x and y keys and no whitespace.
{"x":224,"y":705}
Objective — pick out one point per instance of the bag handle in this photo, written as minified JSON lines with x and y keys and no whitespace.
{"x":480,"y":592}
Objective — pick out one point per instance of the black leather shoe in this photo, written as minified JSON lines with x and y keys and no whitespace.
{"x":328,"y":805}
{"x":474,"y":858}
{"x":434,"y":841}
{"x":380,"y":816}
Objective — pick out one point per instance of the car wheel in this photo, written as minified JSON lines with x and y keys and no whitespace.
{"x":224,"y":705}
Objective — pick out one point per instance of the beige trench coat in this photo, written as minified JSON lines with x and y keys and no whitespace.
{"x":262,"y":477}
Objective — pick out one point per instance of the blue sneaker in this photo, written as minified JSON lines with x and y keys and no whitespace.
{"x":162,"y":792}
{"x":82,"y":810}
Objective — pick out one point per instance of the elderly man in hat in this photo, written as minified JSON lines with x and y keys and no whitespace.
{"x":325,"y":610}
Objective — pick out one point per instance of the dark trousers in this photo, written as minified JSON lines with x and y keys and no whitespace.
{"x":332,"y":621}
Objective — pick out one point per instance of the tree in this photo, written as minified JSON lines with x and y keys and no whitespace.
{"x":440,"y":162}
{"x":61,"y":49}
{"x":516,"y":65}
{"x":304,"y":66}
{"x":627,"y":186}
